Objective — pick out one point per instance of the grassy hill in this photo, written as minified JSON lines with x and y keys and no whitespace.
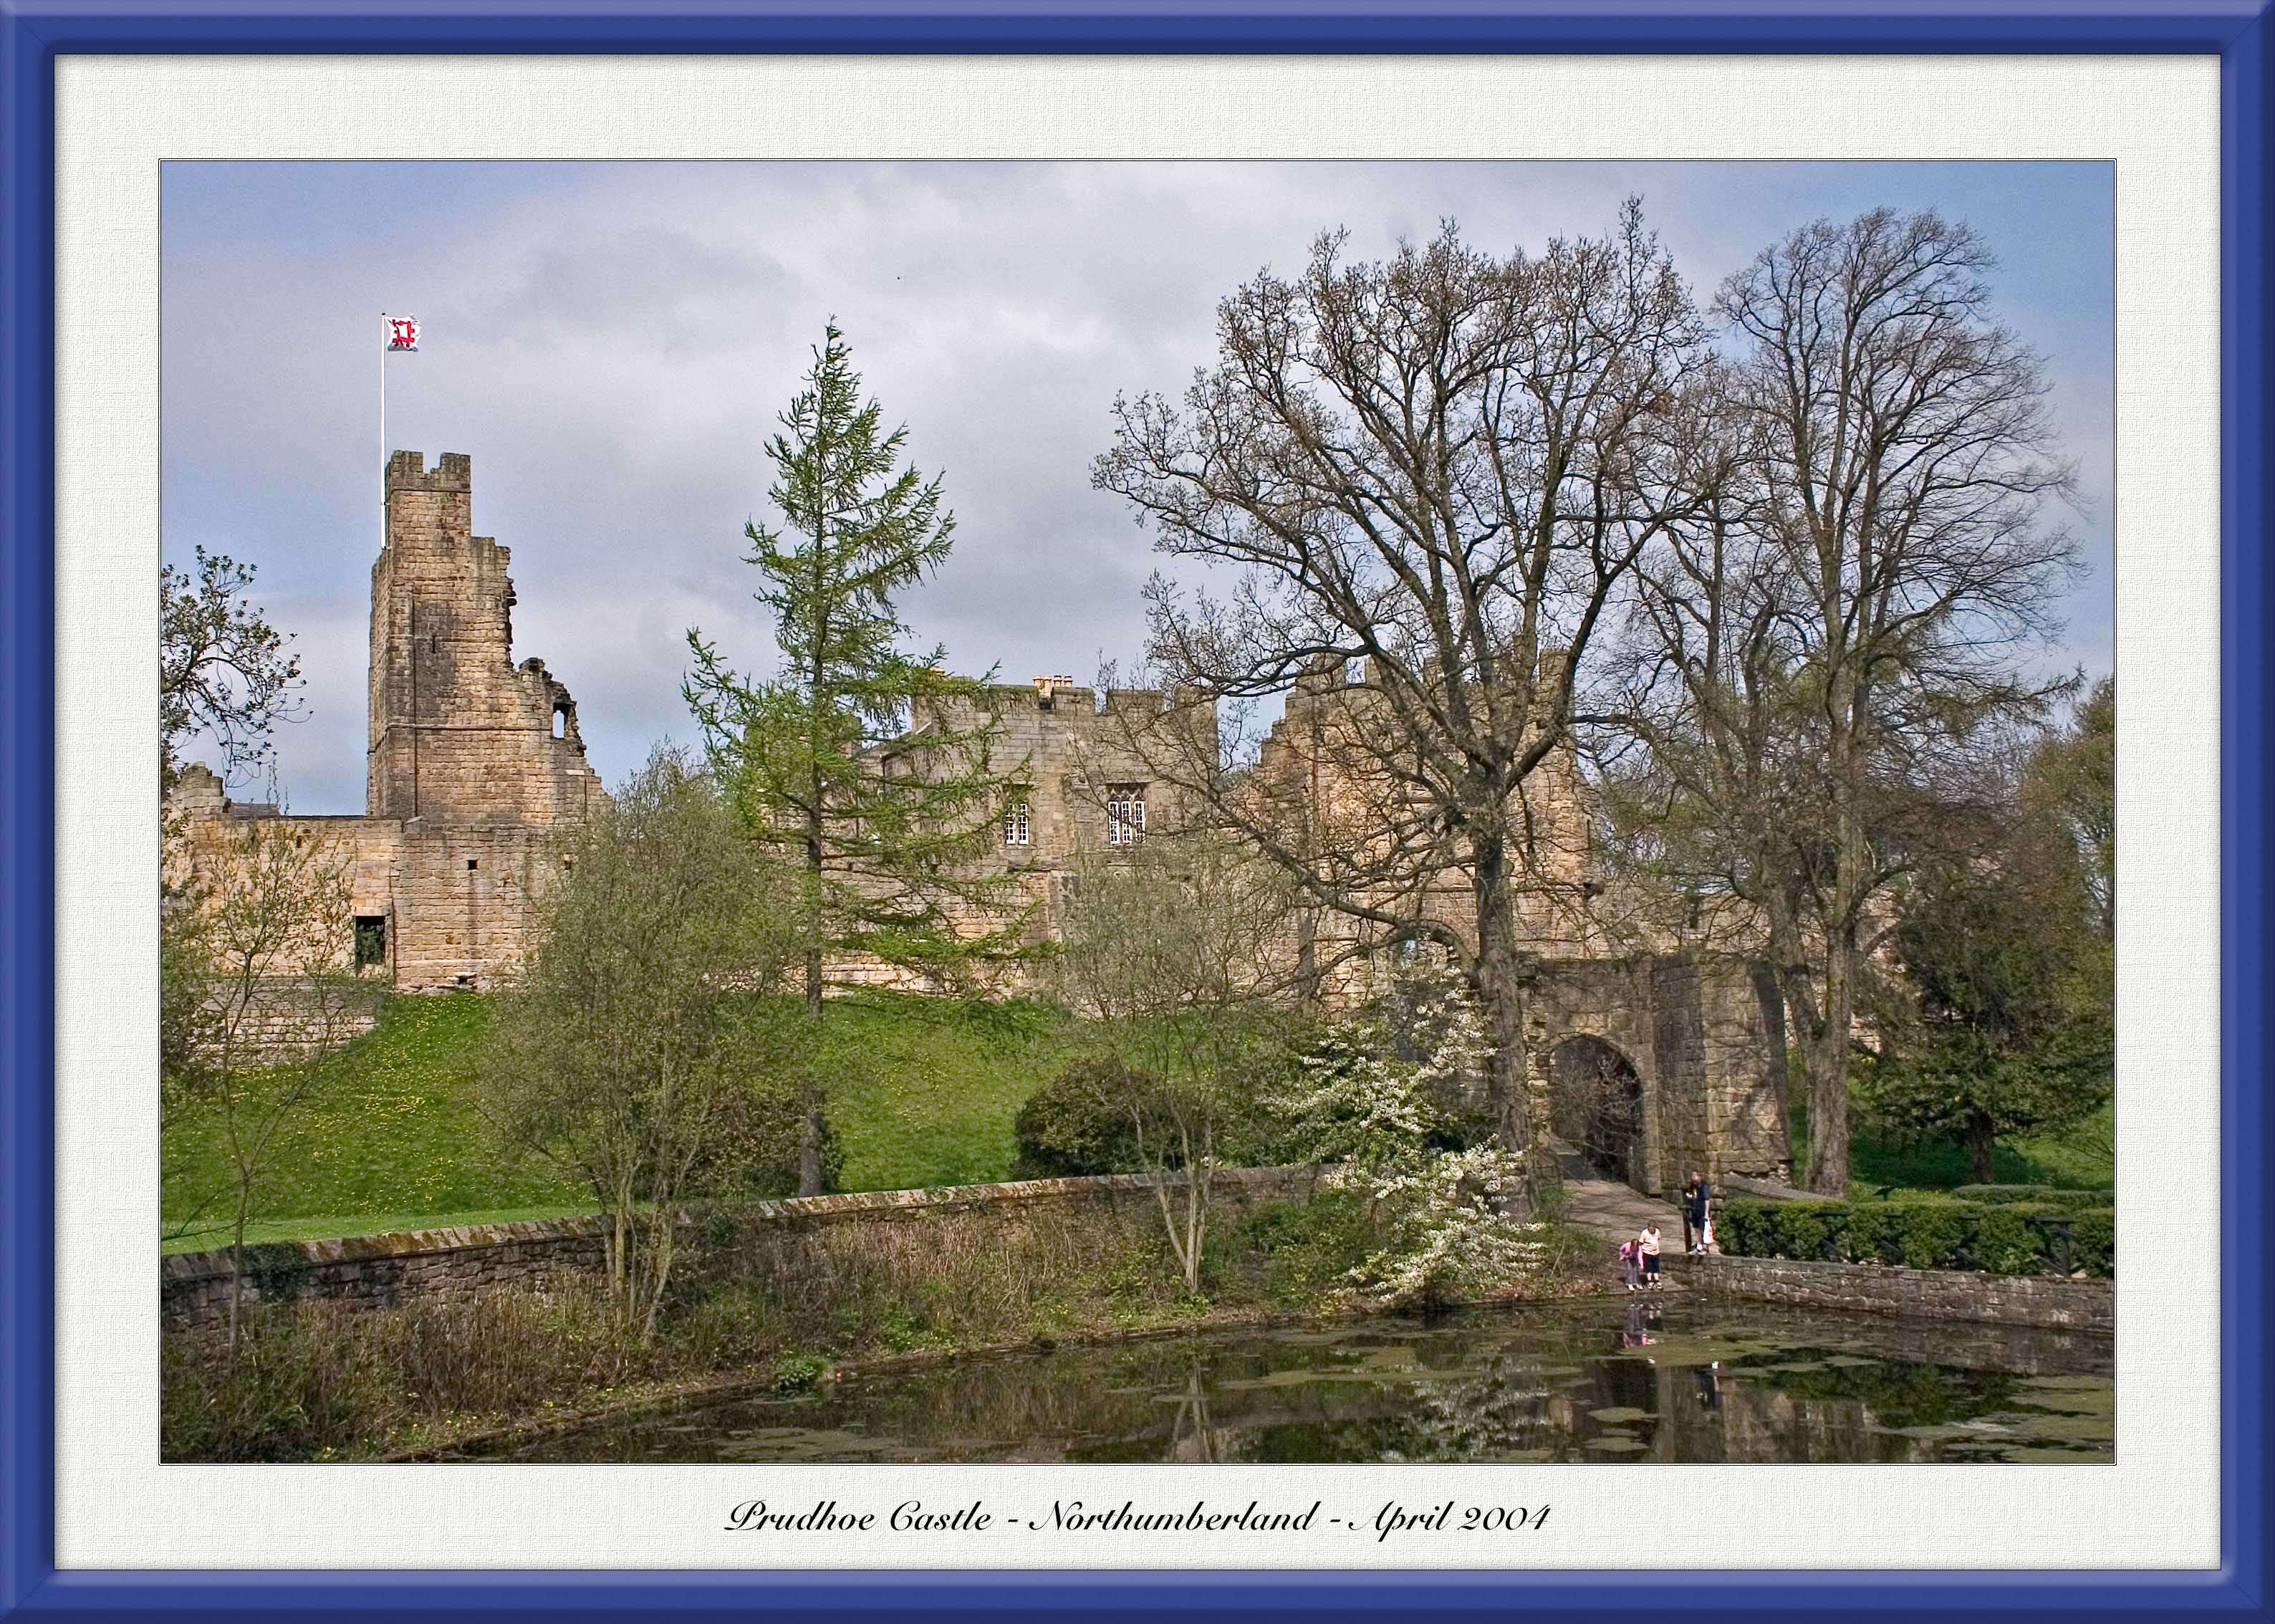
{"x":925,"y":1092}
{"x":390,"y":1139}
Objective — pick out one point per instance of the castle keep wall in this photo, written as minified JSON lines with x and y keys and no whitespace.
{"x":458,"y":733}
{"x":476,"y":769}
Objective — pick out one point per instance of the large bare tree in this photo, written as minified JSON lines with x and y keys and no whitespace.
{"x":1440,"y":465}
{"x":1831,"y":645}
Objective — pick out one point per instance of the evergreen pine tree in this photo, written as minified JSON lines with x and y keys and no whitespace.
{"x":884,"y":848}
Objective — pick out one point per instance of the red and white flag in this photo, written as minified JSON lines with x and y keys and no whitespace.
{"x":403,"y":333}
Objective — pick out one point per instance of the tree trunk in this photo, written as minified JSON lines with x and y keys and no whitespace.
{"x":1980,"y":1139}
{"x":1500,"y":998}
{"x":809,"y":1138}
{"x":1824,"y":1056}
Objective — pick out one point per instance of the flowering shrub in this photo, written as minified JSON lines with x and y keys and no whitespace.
{"x":1447,"y":1237}
{"x":1380,"y":1118}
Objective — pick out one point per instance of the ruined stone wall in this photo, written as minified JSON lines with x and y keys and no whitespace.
{"x":458,"y":733}
{"x":1070,"y":750}
{"x":465,"y":902}
{"x":213,"y":831}
{"x":476,"y":767}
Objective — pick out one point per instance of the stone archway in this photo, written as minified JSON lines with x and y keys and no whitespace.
{"x":1596,"y":1107}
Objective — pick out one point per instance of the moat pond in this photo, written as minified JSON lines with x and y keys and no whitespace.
{"x":1687,"y":1378}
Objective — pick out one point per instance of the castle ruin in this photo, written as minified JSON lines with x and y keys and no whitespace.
{"x":1660,"y":1058}
{"x":475,"y":765}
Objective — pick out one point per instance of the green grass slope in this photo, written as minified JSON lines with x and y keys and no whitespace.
{"x":924,"y":1093}
{"x":389,"y":1130}
{"x":924,"y":1090}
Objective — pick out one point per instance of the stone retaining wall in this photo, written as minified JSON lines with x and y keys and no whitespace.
{"x":2055,"y":1301}
{"x":374,"y":1269}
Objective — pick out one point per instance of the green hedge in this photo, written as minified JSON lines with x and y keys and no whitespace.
{"x":1998,"y":1237}
{"x":2035,"y":1194}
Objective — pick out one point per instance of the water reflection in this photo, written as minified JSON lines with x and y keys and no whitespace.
{"x":1685,"y":1379}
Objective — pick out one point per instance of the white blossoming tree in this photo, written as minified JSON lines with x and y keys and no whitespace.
{"x":1380,"y":1120}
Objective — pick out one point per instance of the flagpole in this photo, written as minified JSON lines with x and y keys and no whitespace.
{"x":383,"y":332}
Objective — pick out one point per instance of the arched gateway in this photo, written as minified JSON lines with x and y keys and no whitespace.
{"x":1661,"y":1065}
{"x":1596,"y":1107}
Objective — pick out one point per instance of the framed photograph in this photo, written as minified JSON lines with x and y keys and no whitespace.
{"x":1086,"y":809}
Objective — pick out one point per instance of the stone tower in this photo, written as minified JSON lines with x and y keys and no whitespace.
{"x":459,"y":733}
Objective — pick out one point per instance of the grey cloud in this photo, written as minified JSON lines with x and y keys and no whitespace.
{"x":611,"y":345}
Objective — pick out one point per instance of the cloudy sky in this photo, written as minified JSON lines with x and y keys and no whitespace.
{"x":610,"y":343}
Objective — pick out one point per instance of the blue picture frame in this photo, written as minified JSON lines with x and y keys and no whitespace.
{"x":33,"y":33}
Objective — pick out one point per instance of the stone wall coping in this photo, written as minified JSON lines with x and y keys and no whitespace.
{"x":1897,"y":1274}
{"x":2062,"y":1301}
{"x":178,"y":1268}
{"x":1768,"y":1189}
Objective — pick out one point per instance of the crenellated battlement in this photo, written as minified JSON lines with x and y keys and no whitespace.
{"x":406,"y":470}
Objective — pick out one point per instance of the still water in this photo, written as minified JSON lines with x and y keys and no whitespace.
{"x":1690,"y":1377}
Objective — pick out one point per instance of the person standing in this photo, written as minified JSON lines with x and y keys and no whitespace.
{"x":1697,"y":1197}
{"x":1632,"y":1263}
{"x":1647,"y":1243}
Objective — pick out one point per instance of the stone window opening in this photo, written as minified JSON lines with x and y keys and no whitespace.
{"x":1019,"y":828}
{"x":370,"y":939}
{"x":472,"y":864}
{"x":1125,"y":814}
{"x":560,"y":722}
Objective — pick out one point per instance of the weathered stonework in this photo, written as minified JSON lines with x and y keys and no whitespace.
{"x":2052,"y":1301}
{"x":476,"y":765}
{"x":476,"y":769}
{"x":374,"y":1271}
{"x":1076,"y":754}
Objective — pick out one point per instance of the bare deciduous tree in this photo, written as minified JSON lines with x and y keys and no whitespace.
{"x":1827,"y":647}
{"x":252,"y":949}
{"x":1443,"y":465}
{"x":1173,"y":946}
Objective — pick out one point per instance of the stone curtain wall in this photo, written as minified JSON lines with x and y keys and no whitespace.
{"x":2049,"y":1300}
{"x":374,"y":1271}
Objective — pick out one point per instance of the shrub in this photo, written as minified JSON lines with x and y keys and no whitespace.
{"x":1742,"y":1227}
{"x":2037,"y":1194}
{"x":1812,"y":1229}
{"x":1935,"y":1233}
{"x":2093,"y":1242}
{"x":1077,"y":1124}
{"x":2016,"y":1237}
{"x":1875,"y":1232}
{"x":1927,"y":1232}
{"x":1308,"y":1246}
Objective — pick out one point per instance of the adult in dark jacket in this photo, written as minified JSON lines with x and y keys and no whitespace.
{"x":1698,"y":1202}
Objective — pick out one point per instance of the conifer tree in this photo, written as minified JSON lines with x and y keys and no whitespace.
{"x":884,"y":842}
